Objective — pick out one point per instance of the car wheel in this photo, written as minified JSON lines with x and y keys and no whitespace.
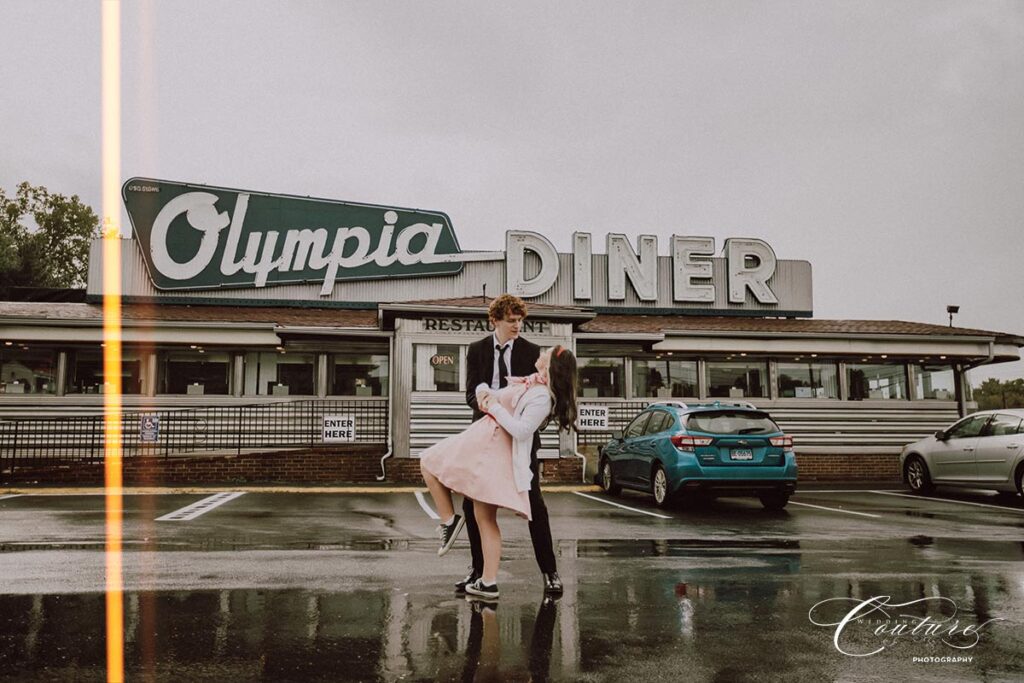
{"x":774,"y":501}
{"x":659,"y":486}
{"x":607,"y":481}
{"x":1020,"y":479}
{"x":916,"y":474}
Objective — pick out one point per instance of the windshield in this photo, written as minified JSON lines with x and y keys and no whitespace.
{"x":731,"y":422}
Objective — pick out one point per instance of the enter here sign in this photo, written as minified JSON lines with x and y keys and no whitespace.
{"x":592,"y":418}
{"x":339,"y":429}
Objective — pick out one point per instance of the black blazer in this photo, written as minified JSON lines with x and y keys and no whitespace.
{"x":480,"y":362}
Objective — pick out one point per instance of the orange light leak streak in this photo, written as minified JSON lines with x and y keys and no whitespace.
{"x":112,"y":444}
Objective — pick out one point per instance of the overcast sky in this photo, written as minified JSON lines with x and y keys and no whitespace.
{"x":881,"y":141}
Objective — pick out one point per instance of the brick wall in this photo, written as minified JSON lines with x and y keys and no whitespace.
{"x":318,"y":466}
{"x":849,"y":467}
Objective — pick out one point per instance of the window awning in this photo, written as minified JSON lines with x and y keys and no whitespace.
{"x":960,"y":347}
{"x":149,"y":333}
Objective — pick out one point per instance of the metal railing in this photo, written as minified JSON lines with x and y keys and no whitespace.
{"x":79,"y":438}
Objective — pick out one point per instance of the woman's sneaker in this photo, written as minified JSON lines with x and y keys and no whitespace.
{"x":448,"y":534}
{"x":482,"y":590}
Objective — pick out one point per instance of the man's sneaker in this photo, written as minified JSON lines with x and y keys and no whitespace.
{"x":482,"y":590}
{"x":448,"y":534}
{"x":460,"y":587}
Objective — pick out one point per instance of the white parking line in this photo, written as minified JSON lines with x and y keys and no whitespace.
{"x":813,"y":491}
{"x":624,"y":507}
{"x":11,"y":495}
{"x":426,"y":508}
{"x":946,"y":500}
{"x":201,"y":507}
{"x":822,"y":507}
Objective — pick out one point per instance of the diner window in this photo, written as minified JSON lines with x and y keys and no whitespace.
{"x":935,"y":382}
{"x":277,"y":373}
{"x":602,"y":377}
{"x":27,"y":370}
{"x":437,"y":367}
{"x":85,"y":372}
{"x":808,"y":380}
{"x":664,"y":378}
{"x":737,"y":379}
{"x":884,"y":382}
{"x":359,"y":374}
{"x":194,"y":372}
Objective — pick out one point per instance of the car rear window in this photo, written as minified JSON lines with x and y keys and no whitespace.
{"x":731,"y":422}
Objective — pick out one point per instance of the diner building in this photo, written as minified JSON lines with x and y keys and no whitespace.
{"x":284,"y":338}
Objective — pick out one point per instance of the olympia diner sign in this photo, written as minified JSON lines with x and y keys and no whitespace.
{"x":196,"y":237}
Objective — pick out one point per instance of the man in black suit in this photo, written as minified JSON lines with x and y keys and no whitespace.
{"x":489,"y":362}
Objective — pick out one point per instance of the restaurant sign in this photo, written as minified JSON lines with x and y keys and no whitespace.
{"x":200,"y":237}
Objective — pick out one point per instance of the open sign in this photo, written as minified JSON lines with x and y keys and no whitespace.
{"x":441,"y":359}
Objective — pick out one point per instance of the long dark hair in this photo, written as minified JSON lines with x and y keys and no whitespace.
{"x":562,"y":380}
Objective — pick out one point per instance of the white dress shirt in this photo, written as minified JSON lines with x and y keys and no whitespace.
{"x":495,"y":378}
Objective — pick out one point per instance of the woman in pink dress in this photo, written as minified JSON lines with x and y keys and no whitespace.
{"x":490,"y":461}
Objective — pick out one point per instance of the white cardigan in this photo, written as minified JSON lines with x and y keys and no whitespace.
{"x":528,"y":414}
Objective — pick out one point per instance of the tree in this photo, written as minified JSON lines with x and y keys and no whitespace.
{"x":993,"y":394}
{"x":44,"y":238}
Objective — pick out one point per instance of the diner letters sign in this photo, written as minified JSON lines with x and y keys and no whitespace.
{"x":474,"y":326}
{"x":198,"y":237}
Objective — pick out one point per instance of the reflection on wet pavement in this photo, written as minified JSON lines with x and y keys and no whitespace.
{"x":349,"y":588}
{"x":661,"y":610}
{"x":226,"y":544}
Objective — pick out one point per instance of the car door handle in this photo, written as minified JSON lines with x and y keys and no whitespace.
{"x":968,"y":449}
{"x":1013,"y":445}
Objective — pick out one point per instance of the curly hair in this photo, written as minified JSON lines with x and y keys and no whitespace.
{"x":505,"y":304}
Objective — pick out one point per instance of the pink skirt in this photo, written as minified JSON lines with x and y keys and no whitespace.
{"x":477,"y":463}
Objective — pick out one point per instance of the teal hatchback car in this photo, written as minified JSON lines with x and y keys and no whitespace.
{"x":681,"y":451}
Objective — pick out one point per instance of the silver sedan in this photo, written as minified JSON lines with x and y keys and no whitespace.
{"x":982,"y":451}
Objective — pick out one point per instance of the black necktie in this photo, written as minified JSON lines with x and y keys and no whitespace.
{"x":502,"y":368}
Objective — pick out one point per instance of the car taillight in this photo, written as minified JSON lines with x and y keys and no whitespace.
{"x":685,"y":442}
{"x":782,"y":441}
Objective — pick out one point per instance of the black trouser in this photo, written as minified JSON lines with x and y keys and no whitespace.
{"x":540,"y":527}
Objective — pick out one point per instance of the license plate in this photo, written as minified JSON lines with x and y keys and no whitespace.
{"x":741,"y":454}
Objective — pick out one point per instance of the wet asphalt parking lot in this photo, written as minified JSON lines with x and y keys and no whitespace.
{"x":346,"y":585}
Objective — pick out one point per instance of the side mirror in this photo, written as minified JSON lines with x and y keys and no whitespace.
{"x":617,"y":435}
{"x":940,"y":435}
